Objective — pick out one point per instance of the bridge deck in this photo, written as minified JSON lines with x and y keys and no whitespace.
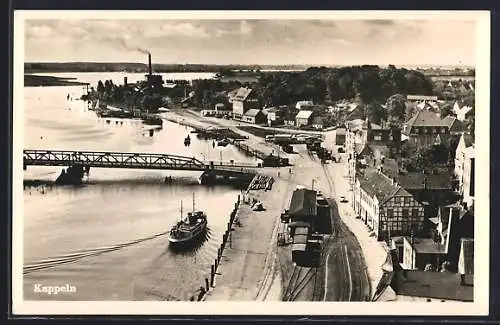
{"x":131,"y":160}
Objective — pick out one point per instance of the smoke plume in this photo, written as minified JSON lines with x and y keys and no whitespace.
{"x":123,"y":43}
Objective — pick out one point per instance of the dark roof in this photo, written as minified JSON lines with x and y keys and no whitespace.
{"x":428,"y":284}
{"x":420,"y":181}
{"x":357,"y":113}
{"x":427,"y":118}
{"x":428,"y":246}
{"x":390,"y":167}
{"x":376,"y":183}
{"x":303,"y":203}
{"x":242,"y":94}
{"x":253,"y":112}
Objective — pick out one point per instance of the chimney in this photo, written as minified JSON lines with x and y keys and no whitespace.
{"x":125,"y":81}
{"x":150,"y":67}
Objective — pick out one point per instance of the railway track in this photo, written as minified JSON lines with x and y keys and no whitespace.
{"x":359,"y":286}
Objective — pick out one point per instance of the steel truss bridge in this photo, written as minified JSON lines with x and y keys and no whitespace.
{"x":131,"y":160}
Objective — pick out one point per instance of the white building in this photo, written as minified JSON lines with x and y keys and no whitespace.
{"x":304,"y":104}
{"x":461,"y":111}
{"x":303,"y":118}
{"x":464,"y":167}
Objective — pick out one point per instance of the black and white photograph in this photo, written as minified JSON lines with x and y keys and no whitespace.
{"x":213,"y":162}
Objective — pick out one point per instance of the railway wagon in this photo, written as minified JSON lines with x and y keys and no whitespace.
{"x":314,"y":248}
{"x":299,"y":245}
{"x":303,"y":206}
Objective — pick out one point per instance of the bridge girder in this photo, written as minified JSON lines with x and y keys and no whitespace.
{"x":102,"y":159}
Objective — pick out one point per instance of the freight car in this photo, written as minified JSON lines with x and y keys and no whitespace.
{"x":299,"y":245}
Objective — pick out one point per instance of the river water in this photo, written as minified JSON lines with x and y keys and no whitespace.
{"x":107,"y":237}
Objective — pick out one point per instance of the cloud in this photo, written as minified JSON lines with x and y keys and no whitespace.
{"x":380,"y":22}
{"x":322,"y":23}
{"x":186,"y":29}
{"x":38,"y":31}
{"x":343,"y":41}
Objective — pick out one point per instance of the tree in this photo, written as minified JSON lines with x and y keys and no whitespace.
{"x":396,"y":109}
{"x":376,"y":113}
{"x":100,"y":87}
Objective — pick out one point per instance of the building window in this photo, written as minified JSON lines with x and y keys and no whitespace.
{"x":390,"y":213}
{"x":433,"y":130}
{"x":397,"y":200}
{"x":405,"y":213}
{"x":377,"y":138}
{"x":407,"y":200}
{"x":443,"y":130}
{"x":424,"y":130}
{"x":414,"y":213}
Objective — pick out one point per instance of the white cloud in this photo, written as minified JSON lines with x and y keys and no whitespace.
{"x":38,"y":31}
{"x":245,"y":28}
{"x":179,"y":29}
{"x":343,"y":41}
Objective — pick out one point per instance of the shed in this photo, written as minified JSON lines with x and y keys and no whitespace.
{"x":303,"y":205}
{"x":255,"y":116}
{"x":303,"y":118}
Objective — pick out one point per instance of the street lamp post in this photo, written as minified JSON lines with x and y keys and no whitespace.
{"x":221,"y":157}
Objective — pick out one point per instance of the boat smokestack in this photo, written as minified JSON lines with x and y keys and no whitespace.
{"x":150,"y":67}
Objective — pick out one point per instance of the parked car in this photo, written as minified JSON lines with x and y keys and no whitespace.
{"x":343,"y":199}
{"x":341,"y":150}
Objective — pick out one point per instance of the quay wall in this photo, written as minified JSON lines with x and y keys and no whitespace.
{"x":209,"y":282}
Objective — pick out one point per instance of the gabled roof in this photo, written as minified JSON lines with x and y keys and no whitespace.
{"x":303,"y":203}
{"x":252,"y":112}
{"x":242,"y":94}
{"x":233,"y":92}
{"x":427,"y":118}
{"x":304,"y":114}
{"x":357,"y":113}
{"x":303,"y":103}
{"x":419,"y":181}
{"x":377,"y":184}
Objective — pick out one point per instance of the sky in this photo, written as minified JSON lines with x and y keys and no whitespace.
{"x":310,"y":42}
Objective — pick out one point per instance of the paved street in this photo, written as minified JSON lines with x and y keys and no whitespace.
{"x":352,"y":257}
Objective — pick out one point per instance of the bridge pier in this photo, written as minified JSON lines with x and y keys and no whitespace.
{"x":72,"y":175}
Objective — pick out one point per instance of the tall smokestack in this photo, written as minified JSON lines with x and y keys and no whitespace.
{"x":150,"y":67}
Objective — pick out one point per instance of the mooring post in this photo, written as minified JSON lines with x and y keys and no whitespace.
{"x":207,"y":286}
{"x":212,"y":275}
{"x":216,"y":264}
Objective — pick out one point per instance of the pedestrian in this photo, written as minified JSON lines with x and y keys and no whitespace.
{"x":278,"y":174}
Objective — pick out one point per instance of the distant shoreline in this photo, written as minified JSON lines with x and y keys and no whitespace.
{"x":131,"y":67}
{"x":31,"y":80}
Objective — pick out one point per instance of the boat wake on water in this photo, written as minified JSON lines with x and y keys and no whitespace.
{"x":79,"y":255}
